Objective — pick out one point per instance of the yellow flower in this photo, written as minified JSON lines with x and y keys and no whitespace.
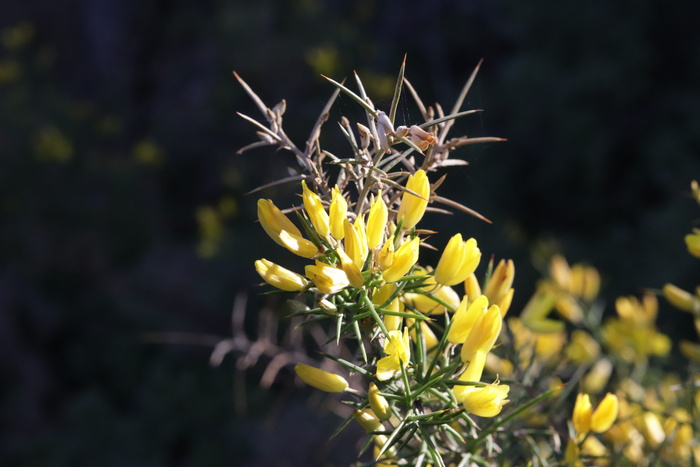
{"x":582,"y":414}
{"x":499,"y":289}
{"x":402,"y":261}
{"x":279,"y":277}
{"x":472,"y":289}
{"x":376,"y":222}
{"x":353,"y":272}
{"x":380,"y":406}
{"x":605,"y":414}
{"x":338,"y":212}
{"x":485,"y":401}
{"x":458,"y":261}
{"x":326,"y":278}
{"x":380,"y":297}
{"x":320,"y":379}
{"x":598,"y":421}
{"x":465,"y":317}
{"x":413,"y":207}
{"x":314,"y":208}
{"x":692,"y":241}
{"x":356,"y":241}
{"x":483,"y":334}
{"x":398,"y":351}
{"x":368,"y":420}
{"x":282,"y":230}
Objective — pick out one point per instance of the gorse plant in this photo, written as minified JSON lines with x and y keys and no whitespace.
{"x":439,"y":378}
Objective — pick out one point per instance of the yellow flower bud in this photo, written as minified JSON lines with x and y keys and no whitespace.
{"x":320,"y":379}
{"x":273,"y":220}
{"x":376,"y":222}
{"x":314,"y":208}
{"x":681,"y":299}
{"x":582,"y":414}
{"x":485,"y":401}
{"x":501,"y":281}
{"x":471,"y":287}
{"x":403,"y":260}
{"x":560,"y":272}
{"x":505,"y":301}
{"x":353,"y":272}
{"x":280,"y":277}
{"x":484,"y":333}
{"x":605,"y":414}
{"x":385,"y":258}
{"x":356,"y":241}
{"x":368,"y":420}
{"x":326,"y":278}
{"x":413,"y":207}
{"x":458,"y":261}
{"x":380,"y":406}
{"x":297,"y":245}
{"x":591,"y":284}
{"x":692,"y":241}
{"x":690,"y":350}
{"x":338,"y":213}
{"x":465,"y":317}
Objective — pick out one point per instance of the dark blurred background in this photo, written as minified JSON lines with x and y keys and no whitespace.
{"x":124,"y":215}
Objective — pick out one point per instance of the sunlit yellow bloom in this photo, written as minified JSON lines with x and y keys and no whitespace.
{"x":314,"y":208}
{"x":398,"y":351}
{"x":692,"y":241}
{"x":582,"y":414}
{"x":465,"y":317}
{"x":403,"y":260}
{"x":501,"y":282}
{"x":282,"y":230}
{"x":505,"y":301}
{"x":380,"y":406}
{"x":337,"y":214}
{"x":483,"y":334}
{"x":280,"y":277}
{"x":385,"y":258}
{"x":681,"y":299}
{"x":458,"y":261}
{"x":356,"y":242}
{"x":413,"y":207}
{"x":484,"y":401}
{"x":320,"y":379}
{"x":376,"y":222}
{"x":326,"y":278}
{"x":353,"y":272}
{"x":472,"y":289}
{"x":273,"y":220}
{"x":583,"y":348}
{"x":605,"y":414}
{"x":368,"y":420}
{"x":297,"y":245}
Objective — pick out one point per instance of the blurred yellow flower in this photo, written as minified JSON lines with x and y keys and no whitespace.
{"x":320,"y":379}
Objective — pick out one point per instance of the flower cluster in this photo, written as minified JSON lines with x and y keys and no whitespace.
{"x":433,"y":369}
